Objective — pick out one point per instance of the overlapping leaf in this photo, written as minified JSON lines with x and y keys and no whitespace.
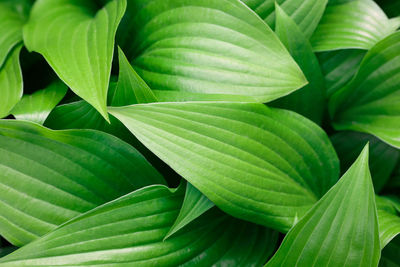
{"x":391,"y":254}
{"x":130,"y":231}
{"x":340,"y":230}
{"x":256,"y":163}
{"x":339,"y":67}
{"x":352,"y":24}
{"x":382,"y":160}
{"x":11,"y":85}
{"x":48,"y":177}
{"x":305,"y":13}
{"x":310,"y":100}
{"x":370,"y":102}
{"x":78,"y":43}
{"x":37,"y":107}
{"x":206,"y":46}
{"x":389,"y":220}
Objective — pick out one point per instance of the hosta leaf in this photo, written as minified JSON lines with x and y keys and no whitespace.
{"x":305,"y":13}
{"x":370,"y":102}
{"x":37,"y":107}
{"x":48,"y":177}
{"x":206,"y":46}
{"x":130,"y":230}
{"x":13,"y":14}
{"x":11,"y":85}
{"x":339,"y":67}
{"x":256,"y":163}
{"x":78,"y":43}
{"x":194,"y":205}
{"x":382,"y":160}
{"x":340,"y":230}
{"x":310,"y":100}
{"x":391,"y":7}
{"x":355,"y":24}
{"x":389,"y":220}
{"x":177,"y":96}
{"x":130,"y":89}
{"x":391,"y":254}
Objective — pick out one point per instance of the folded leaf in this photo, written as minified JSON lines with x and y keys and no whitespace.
{"x":370,"y":102}
{"x":78,"y":43}
{"x":48,"y":177}
{"x":130,"y":230}
{"x":340,"y":230}
{"x":11,"y":85}
{"x":209,"y":47}
{"x":256,"y":163}
{"x":382,"y":157}
{"x":352,"y":24}
{"x":194,"y":205}
{"x":389,"y":220}
{"x":310,"y":100}
{"x":37,"y":107}
{"x":305,"y":13}
{"x":13,"y":14}
{"x":339,"y":67}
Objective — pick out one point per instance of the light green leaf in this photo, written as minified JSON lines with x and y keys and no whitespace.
{"x":339,"y":67}
{"x":340,"y":230}
{"x":389,"y":220}
{"x":391,"y":254}
{"x":256,"y":163}
{"x":382,"y":160}
{"x":13,"y":14}
{"x":48,"y":177}
{"x":194,"y":205}
{"x":177,"y":96}
{"x":310,"y":100}
{"x":130,"y":230}
{"x":78,"y":43}
{"x":305,"y":13}
{"x":370,"y":102}
{"x":355,"y":24}
{"x":11,"y":84}
{"x":37,"y":107}
{"x":130,"y":89}
{"x":209,"y":47}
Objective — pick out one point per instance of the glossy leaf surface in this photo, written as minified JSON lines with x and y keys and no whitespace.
{"x":37,"y":107}
{"x":256,"y":163}
{"x":208,"y":47}
{"x":61,"y":174}
{"x":340,"y":230}
{"x":77,"y":40}
{"x":370,"y":102}
{"x":130,"y":230}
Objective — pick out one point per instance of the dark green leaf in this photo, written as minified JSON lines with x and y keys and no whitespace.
{"x":130,"y":230}
{"x":391,"y":254}
{"x":48,"y":177}
{"x":340,"y":230}
{"x":257,"y":163}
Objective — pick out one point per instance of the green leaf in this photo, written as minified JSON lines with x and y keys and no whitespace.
{"x":130,"y":230}
{"x":382,"y":160}
{"x":11,"y":84}
{"x":391,"y":7}
{"x":370,"y":102}
{"x":130,"y":89}
{"x":389,"y":220}
{"x":209,"y":47}
{"x":48,"y":177}
{"x":310,"y":100}
{"x":340,"y":230}
{"x":37,"y":107}
{"x":194,"y":205}
{"x":391,"y":254}
{"x":13,"y":14}
{"x":255,"y":163}
{"x":78,"y":43}
{"x":355,"y":24}
{"x":177,"y":96}
{"x":339,"y":67}
{"x":305,"y":13}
